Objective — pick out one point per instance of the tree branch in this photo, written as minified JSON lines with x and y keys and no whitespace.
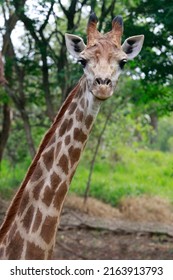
{"x":47,"y":18}
{"x":105,"y":11}
{"x":63,"y":8}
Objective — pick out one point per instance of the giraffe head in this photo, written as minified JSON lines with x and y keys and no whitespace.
{"x":103,"y":58}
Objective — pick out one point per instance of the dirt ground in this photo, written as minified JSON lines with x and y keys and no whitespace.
{"x":140,"y":228}
{"x":106,"y":245}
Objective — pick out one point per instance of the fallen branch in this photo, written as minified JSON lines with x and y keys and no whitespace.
{"x":71,"y":220}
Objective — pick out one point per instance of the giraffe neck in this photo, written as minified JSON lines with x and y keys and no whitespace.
{"x":32,"y":233}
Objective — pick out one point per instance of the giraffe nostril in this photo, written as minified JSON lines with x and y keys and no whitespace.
{"x":108,"y":82}
{"x":100,"y":81}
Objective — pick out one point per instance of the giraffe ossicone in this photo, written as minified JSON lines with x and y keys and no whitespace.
{"x":30,"y":225}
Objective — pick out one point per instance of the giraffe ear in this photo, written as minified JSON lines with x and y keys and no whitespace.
{"x":133,"y":45}
{"x":75,"y":44}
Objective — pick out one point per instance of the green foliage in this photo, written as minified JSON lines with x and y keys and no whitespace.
{"x":11,"y":176}
{"x":164,"y":135}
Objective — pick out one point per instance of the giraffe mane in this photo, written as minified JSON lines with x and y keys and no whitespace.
{"x":12,"y":210}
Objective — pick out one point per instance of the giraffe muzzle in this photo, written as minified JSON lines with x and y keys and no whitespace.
{"x":102,"y":88}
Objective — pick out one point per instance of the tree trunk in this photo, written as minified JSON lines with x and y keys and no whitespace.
{"x":46,"y":87}
{"x":6,"y":123}
{"x":154,"y":125}
{"x":94,"y":158}
{"x":28,"y":134}
{"x":42,"y":45}
{"x":6,"y":112}
{"x":27,"y":127}
{"x":154,"y":121}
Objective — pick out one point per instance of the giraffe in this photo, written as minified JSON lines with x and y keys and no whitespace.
{"x":31,"y":223}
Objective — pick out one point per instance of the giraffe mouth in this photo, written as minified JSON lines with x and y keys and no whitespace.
{"x":102,"y":92}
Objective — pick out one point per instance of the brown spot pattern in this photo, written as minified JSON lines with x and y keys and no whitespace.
{"x":72,"y":108}
{"x":63,"y":163}
{"x":1,"y":252}
{"x":70,"y":124}
{"x":37,"y":222}
{"x":82,"y":102}
{"x":79,"y":135}
{"x":14,"y":250}
{"x":37,"y":173}
{"x":58,"y":148}
{"x":34,"y":252}
{"x":50,"y":254}
{"x":37,"y":189}
{"x":55,"y":181}
{"x":48,"y":228}
{"x":74,"y":154}
{"x":79,"y":115}
{"x":67,"y":139}
{"x":24,"y":202}
{"x":48,"y":195}
{"x":63,"y":127}
{"x":52,"y":140}
{"x":48,"y":158}
{"x":88,"y":121}
{"x":27,"y":220}
{"x":60,"y":195}
{"x":12,"y":231}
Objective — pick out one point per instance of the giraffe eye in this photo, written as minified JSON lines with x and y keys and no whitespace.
{"x":122,"y":63}
{"x":82,"y":61}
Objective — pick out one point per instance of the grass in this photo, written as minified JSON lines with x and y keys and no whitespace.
{"x":135,"y":172}
{"x":11,"y":177}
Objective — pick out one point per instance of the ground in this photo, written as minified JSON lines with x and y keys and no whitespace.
{"x":105,"y":245}
{"x":140,"y":228}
